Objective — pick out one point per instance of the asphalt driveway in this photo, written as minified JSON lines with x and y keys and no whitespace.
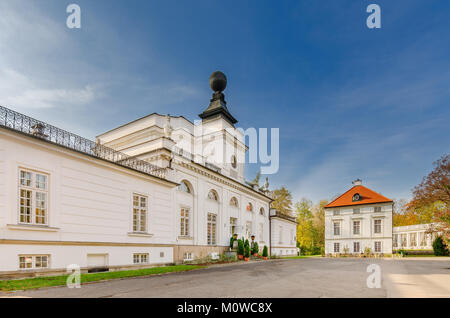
{"x":311,"y":277}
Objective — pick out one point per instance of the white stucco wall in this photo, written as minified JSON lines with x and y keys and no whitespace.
{"x":367,"y":237}
{"x":89,"y":201}
{"x":284,"y":237}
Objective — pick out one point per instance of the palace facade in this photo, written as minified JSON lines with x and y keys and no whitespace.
{"x":158,"y":190}
{"x":358,"y":221}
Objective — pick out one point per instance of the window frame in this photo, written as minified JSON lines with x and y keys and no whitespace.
{"x":185,"y":221}
{"x":336,"y":244}
{"x":234,"y":203}
{"x":211,"y":231}
{"x":139,"y":257}
{"x":375,"y":226}
{"x":34,"y":191}
{"x":338,"y":227}
{"x":375,"y":247}
{"x":138,"y":228}
{"x":359,"y":247}
{"x":34,"y":261}
{"x":233,"y":225}
{"x":358,"y":227}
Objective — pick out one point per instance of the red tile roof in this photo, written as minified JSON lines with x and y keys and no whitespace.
{"x":367,"y":197}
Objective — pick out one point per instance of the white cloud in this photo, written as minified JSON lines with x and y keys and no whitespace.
{"x":20,"y":92}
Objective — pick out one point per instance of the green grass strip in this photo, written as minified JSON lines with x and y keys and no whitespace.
{"x":40,"y":282}
{"x":300,"y":257}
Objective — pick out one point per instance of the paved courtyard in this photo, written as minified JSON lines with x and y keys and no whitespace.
{"x":312,"y":277}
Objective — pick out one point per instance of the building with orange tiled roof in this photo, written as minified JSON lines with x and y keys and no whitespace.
{"x":358,"y":221}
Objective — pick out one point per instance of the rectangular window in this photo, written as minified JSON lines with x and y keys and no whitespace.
{"x":377,"y":226}
{"x":184,"y":222}
{"x":422,"y":239}
{"x":140,"y":258}
{"x":356,"y":211}
{"x":211,"y":229}
{"x":395,"y":240}
{"x":233,"y":226}
{"x":356,"y":227}
{"x":356,"y":247}
{"x":337,"y":228}
{"x":280,"y":241}
{"x":336,"y":212}
{"x":377,"y":209}
{"x":139,"y":213}
{"x":33,"y":261}
{"x":403,"y":240}
{"x":188,"y":256}
{"x":336,"y":247}
{"x":33,"y":197}
{"x":248,"y":229}
{"x":261,"y":232}
{"x":412,"y":239}
{"x":377,"y":247}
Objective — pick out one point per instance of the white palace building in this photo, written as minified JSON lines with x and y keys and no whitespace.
{"x":157,"y":190}
{"x":357,"y":221}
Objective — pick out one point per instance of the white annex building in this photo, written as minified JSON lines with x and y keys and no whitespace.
{"x":158,"y":190}
{"x":414,"y":237}
{"x":359,"y":220}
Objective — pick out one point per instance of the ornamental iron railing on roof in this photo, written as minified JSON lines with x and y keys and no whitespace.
{"x":36,"y":128}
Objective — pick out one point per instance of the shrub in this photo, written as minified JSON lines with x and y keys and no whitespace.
{"x":232,"y":239}
{"x":265,"y":251}
{"x":255,"y":249}
{"x":247,"y":252}
{"x":240,"y":247}
{"x":439,"y":247}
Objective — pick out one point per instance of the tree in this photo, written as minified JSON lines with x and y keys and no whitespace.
{"x":311,"y":226}
{"x":439,"y":247}
{"x":282,"y":201}
{"x":402,"y":215}
{"x":304,"y":224}
{"x":319,"y":223}
{"x":435,"y":186}
{"x":432,"y":195}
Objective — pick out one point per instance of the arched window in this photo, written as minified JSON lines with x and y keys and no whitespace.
{"x":249,"y":207}
{"x":233,"y":161}
{"x":184,"y":187}
{"x":212,"y":195}
{"x":261,"y":211}
{"x":234,"y":202}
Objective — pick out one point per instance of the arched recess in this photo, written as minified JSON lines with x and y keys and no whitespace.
{"x":185,"y":210}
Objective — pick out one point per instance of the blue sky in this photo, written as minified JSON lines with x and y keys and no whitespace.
{"x":350,"y":102}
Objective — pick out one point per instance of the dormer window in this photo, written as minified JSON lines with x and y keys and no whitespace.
{"x":356,"y":197}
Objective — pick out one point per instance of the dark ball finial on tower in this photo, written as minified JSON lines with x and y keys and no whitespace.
{"x":218,"y":81}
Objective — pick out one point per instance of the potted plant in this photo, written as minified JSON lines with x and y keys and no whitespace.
{"x":265,"y":252}
{"x":240,"y":249}
{"x":255,"y":249}
{"x":247,"y":254}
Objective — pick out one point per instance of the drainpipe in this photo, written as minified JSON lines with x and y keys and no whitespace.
{"x":270,"y":234}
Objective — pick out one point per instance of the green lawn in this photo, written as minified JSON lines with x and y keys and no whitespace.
{"x":39,"y":282}
{"x":425,"y":255}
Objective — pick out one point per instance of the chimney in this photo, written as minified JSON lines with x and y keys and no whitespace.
{"x":357,"y":182}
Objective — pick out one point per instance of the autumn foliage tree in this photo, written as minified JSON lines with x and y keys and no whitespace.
{"x":432,"y":195}
{"x":282,"y":201}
